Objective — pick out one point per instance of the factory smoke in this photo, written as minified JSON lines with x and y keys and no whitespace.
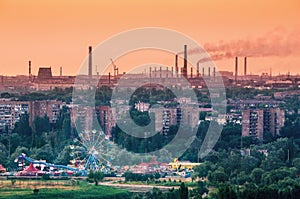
{"x":278,"y":42}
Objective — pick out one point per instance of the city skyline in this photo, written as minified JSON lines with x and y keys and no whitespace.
{"x":57,"y":33}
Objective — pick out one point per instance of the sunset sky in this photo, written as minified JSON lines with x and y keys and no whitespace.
{"x":58,"y":32}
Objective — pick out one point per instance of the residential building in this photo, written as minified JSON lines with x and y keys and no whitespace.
{"x":257,"y":122}
{"x":11,"y":111}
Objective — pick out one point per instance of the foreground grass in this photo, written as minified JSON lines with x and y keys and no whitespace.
{"x":88,"y":191}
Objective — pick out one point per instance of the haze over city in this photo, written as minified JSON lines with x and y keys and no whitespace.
{"x":131,"y":99}
{"x":57,"y":33}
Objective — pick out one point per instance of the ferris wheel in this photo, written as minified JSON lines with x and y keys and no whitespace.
{"x":97,"y":149}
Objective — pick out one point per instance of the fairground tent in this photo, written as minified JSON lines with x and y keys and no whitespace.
{"x":2,"y":169}
{"x":29,"y":171}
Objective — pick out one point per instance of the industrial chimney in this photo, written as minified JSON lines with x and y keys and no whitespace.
{"x":208,"y":71}
{"x":176,"y":65}
{"x":29,"y":69}
{"x":90,"y":61}
{"x":160,"y":75}
{"x":191,"y":72}
{"x":60,"y":72}
{"x":197,"y":69}
{"x":245,"y":66}
{"x":109,"y":78}
{"x":167,"y":74}
{"x":236,"y":69}
{"x":214,"y":71}
{"x":184,"y":70}
{"x":203,"y":74}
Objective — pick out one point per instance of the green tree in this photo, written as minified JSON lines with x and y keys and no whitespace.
{"x":183,"y":191}
{"x":203,"y":169}
{"x":43,"y":153}
{"x":41,"y":125}
{"x":96,"y":176}
{"x":217,"y":176}
{"x":64,"y":156}
{"x":256,"y":175}
{"x":23,"y":129}
{"x":296,"y":164}
{"x":14,"y":142}
{"x":199,"y":190}
{"x":3,"y":155}
{"x":226,"y":191}
{"x":157,"y":193}
{"x":248,"y":163}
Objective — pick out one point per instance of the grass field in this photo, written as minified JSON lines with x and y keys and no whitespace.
{"x":60,"y":190}
{"x":160,"y":183}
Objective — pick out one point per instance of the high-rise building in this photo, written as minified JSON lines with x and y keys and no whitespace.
{"x":11,"y":111}
{"x":107,"y":118}
{"x":83,"y":118}
{"x":257,"y":122}
{"x":166,"y":117}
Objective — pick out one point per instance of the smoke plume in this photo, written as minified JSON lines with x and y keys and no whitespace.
{"x":278,"y":42}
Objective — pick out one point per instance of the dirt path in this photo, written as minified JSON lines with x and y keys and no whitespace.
{"x":137,"y":188}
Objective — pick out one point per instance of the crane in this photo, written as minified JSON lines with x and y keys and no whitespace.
{"x":116,"y":69}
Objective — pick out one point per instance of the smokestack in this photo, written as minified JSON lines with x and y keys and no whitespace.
{"x":160,"y":72}
{"x":109,"y":78}
{"x":197,"y":69}
{"x":60,"y":72}
{"x":172,"y":71}
{"x":176,"y":64}
{"x":167,"y":74}
{"x":154,"y":72}
{"x":236,"y":69}
{"x":90,"y":61}
{"x":245,"y":66}
{"x":184,"y":70}
{"x":150,"y":71}
{"x":203,"y":72}
{"x":191,"y":72}
{"x":29,"y":68}
{"x":208,"y":71}
{"x":214,"y":71}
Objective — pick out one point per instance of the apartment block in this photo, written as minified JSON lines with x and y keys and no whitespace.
{"x":11,"y":111}
{"x":257,"y":122}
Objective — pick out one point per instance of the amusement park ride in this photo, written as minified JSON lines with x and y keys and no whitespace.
{"x":90,"y":152}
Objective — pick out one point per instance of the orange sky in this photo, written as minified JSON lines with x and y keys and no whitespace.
{"x":58,"y":32}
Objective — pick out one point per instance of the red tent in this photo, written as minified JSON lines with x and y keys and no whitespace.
{"x":29,"y":171}
{"x":2,"y":169}
{"x":143,"y":164}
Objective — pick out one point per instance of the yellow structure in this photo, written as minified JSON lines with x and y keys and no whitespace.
{"x":182,"y":165}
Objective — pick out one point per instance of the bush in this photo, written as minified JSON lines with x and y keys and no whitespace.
{"x":129,"y":176}
{"x":95,"y":176}
{"x":45,"y":177}
{"x":13,"y":182}
{"x":36,"y":191}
